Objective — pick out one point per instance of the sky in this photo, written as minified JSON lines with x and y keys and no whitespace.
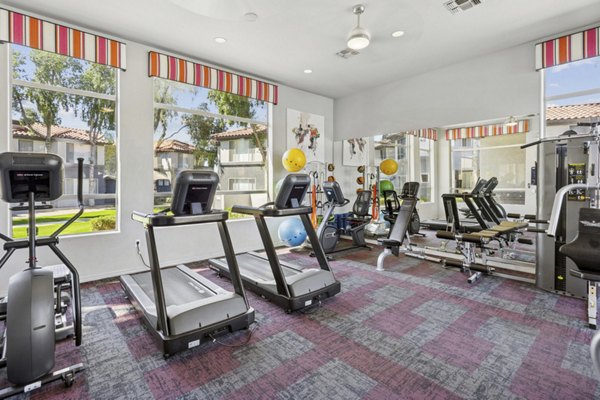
{"x":573,"y":77}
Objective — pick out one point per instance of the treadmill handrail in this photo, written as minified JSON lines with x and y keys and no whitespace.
{"x":271,"y":211}
{"x":172,"y":220}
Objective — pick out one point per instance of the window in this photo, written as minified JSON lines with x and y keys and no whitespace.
{"x":67,"y":106}
{"x":25,"y":145}
{"x":572,"y":96}
{"x":414,"y":156}
{"x":395,"y":146}
{"x":473,"y":159}
{"x":196,"y":127}
{"x":425,"y":174}
{"x":242,"y":183}
{"x":70,"y":158}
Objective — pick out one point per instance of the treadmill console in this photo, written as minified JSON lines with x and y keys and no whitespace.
{"x":333,"y":192}
{"x":22,"y":173}
{"x":292,"y":192}
{"x":194,"y":192}
{"x":479,"y":186}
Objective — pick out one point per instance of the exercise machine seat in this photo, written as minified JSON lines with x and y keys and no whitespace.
{"x":584,"y":250}
{"x":360,"y":210}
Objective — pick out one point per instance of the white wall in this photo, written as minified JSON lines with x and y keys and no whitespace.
{"x":496,"y":85}
{"x":112,"y":254}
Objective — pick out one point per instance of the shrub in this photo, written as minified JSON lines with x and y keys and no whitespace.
{"x":104,"y":223}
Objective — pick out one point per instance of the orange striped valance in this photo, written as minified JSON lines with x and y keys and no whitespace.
{"x":38,"y":34}
{"x":565,"y":49}
{"x":180,"y":70}
{"x":483,"y":131}
{"x":428,"y":133}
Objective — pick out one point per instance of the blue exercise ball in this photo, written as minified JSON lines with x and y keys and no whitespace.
{"x":292,"y":232}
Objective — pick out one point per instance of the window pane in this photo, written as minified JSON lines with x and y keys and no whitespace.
{"x":473,"y":159}
{"x":426,"y":175}
{"x":396,"y":147}
{"x":237,"y":151}
{"x":213,"y":101}
{"x":56,"y":70}
{"x":573,"y":77}
{"x":70,"y":126}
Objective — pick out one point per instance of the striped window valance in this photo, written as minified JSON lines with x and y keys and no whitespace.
{"x":180,"y":70}
{"x":483,"y":131}
{"x":38,"y":34}
{"x":565,"y":49}
{"x":428,"y":133}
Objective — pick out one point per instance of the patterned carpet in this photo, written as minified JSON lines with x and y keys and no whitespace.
{"x":416,"y":331}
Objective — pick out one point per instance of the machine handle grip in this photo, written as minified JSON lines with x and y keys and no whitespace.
{"x":531,"y":144}
{"x":80,"y":181}
{"x":536,"y":230}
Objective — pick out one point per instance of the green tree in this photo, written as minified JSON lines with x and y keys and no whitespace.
{"x":110,"y":159}
{"x":202,"y":129}
{"x":162,"y":116}
{"x":98,"y":114}
{"x":28,"y":116}
{"x":50,"y":69}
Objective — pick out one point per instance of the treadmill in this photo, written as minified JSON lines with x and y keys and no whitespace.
{"x":182,"y":308}
{"x":465,"y":224}
{"x":285,"y":284}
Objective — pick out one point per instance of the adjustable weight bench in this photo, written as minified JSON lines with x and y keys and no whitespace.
{"x":398,"y":233}
{"x":467,"y":243}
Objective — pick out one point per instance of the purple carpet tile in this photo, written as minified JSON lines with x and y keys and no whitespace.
{"x":415,"y":331}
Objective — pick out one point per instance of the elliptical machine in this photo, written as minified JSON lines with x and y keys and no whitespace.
{"x":329,"y":235}
{"x":30,"y":308}
{"x":410,"y":190}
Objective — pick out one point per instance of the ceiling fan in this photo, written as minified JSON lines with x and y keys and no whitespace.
{"x":358,"y":38}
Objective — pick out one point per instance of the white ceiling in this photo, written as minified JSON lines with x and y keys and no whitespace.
{"x":291,"y":35}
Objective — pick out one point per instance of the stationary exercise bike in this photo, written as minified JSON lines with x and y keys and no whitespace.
{"x":32,"y":323}
{"x":328,"y":234}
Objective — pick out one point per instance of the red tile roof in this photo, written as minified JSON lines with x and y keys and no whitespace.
{"x":577,"y":111}
{"x":38,"y":132}
{"x":173,"y":146}
{"x":239,"y":133}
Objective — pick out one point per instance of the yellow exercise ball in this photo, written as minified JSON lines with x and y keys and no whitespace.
{"x":389,"y":166}
{"x":293,"y":160}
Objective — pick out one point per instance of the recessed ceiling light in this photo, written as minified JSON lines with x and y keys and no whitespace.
{"x":397,"y":33}
{"x":308,"y":71}
{"x":220,"y":40}
{"x":250,"y":17}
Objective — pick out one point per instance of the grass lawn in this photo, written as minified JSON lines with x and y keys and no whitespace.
{"x":45,"y":230}
{"x":59,"y":218}
{"x":49,"y":223}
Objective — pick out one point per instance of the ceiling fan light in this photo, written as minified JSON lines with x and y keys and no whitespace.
{"x":358,"y":39}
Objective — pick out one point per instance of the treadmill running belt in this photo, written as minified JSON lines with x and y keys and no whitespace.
{"x":260,"y":267}
{"x":179,"y":288}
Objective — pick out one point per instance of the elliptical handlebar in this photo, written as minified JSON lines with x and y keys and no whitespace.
{"x":79,"y":200}
{"x":80,"y":182}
